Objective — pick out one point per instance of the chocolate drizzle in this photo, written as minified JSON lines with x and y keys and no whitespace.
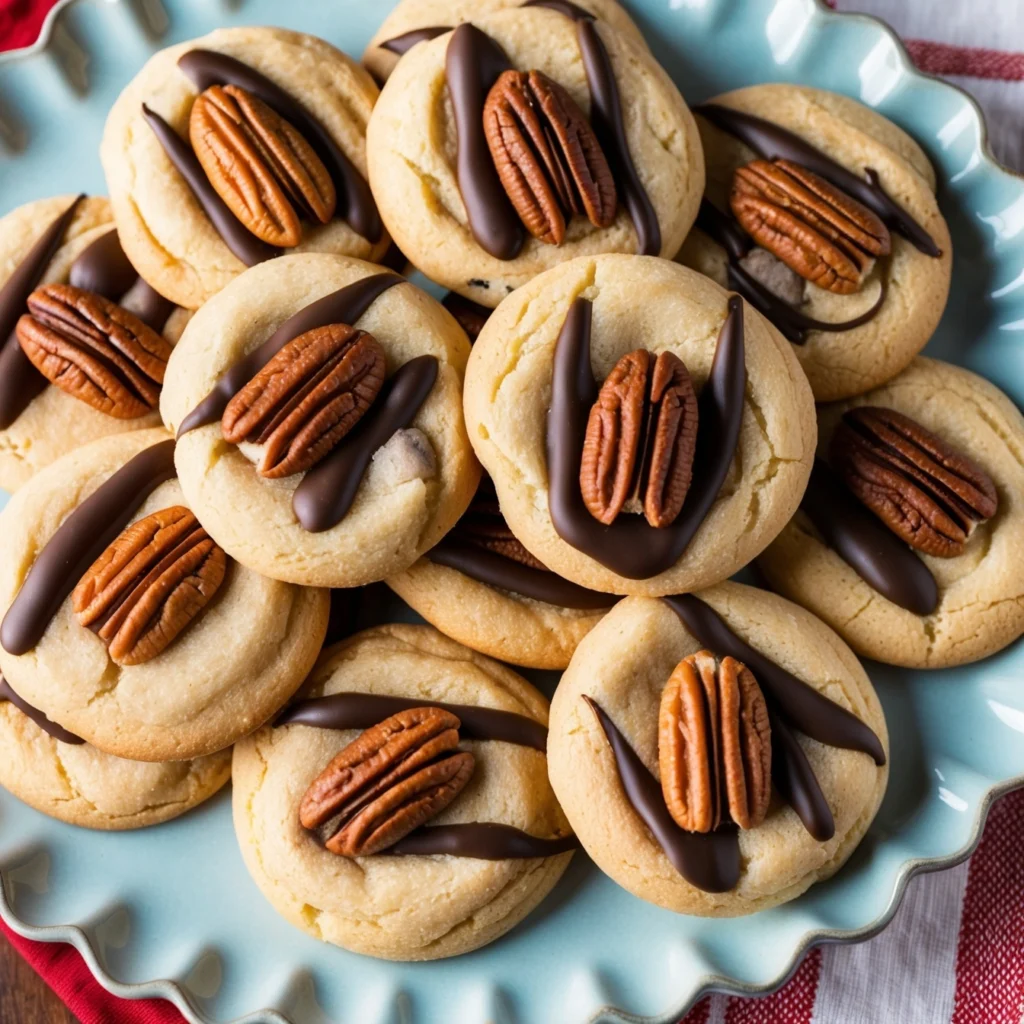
{"x":104,"y":269}
{"x":345,"y":306}
{"x":630,"y":546}
{"x":242,"y":242}
{"x":869,"y":547}
{"x":365,"y":710}
{"x":773,"y":142}
{"x":570,"y":10}
{"x":790,"y":703}
{"x":20,"y":381}
{"x":207,"y":67}
{"x":481,"y":841}
{"x":710,"y":861}
{"x":496,"y":570}
{"x":58,"y":732}
{"x":78,"y":542}
{"x":473,"y":63}
{"x":404,"y":43}
{"x":792,"y":324}
{"x":327,"y":491}
{"x":607,"y":122}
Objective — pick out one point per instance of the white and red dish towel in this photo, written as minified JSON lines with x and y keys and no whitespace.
{"x":954,"y":954}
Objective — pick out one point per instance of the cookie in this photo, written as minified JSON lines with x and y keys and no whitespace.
{"x":476,"y":221}
{"x":460,"y":879}
{"x":480,"y":586}
{"x":822,"y":213}
{"x":62,"y":241}
{"x":952,"y":597}
{"x":354,"y":484}
{"x":735,"y":463}
{"x":197,"y":199}
{"x":125,"y":623}
{"x":60,"y":776}
{"x":415,"y":21}
{"x":629,"y":750}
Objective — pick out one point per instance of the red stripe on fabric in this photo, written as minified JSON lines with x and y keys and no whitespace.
{"x":990,"y":955}
{"x":792,"y":1004}
{"x":21,"y":20}
{"x":64,"y":970}
{"x":972,"y":61}
{"x":699,"y":1014}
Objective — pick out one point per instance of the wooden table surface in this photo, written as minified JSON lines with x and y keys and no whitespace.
{"x":24,"y":997}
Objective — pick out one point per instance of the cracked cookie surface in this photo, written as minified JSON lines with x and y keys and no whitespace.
{"x":840,"y":364}
{"x":981,"y":592}
{"x":165,"y":232}
{"x":398,"y":512}
{"x":83,"y":786}
{"x":399,"y":907}
{"x":55,"y":422}
{"x":624,"y":665}
{"x":236,"y":664}
{"x":412,"y":144}
{"x":638,"y":302}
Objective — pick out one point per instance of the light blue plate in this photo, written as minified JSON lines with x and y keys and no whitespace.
{"x":175,"y":903}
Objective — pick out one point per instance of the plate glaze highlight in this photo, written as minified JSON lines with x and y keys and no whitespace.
{"x":171,"y":912}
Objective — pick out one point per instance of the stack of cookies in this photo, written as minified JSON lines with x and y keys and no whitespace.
{"x":670,"y":344}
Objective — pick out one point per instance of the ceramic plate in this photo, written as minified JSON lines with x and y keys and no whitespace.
{"x":172,"y":912}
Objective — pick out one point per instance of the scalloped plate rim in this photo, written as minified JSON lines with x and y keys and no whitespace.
{"x":165,"y":988}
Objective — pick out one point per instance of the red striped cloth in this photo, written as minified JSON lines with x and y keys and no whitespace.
{"x":954,"y":953}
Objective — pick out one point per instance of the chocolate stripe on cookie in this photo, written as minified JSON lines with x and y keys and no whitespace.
{"x":78,"y":542}
{"x":630,"y":546}
{"x":205,"y":68}
{"x":50,"y":728}
{"x":345,"y":306}
{"x":404,"y":43}
{"x":773,"y":142}
{"x":481,"y":841}
{"x":708,"y":860}
{"x":20,"y":381}
{"x":365,"y":710}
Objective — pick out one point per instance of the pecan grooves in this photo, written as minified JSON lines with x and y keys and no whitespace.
{"x":260,"y":165}
{"x":150,"y":584}
{"x":547,"y":156}
{"x":924,"y":490}
{"x":306,"y":398}
{"x":483,"y":526}
{"x":714,"y":745}
{"x":640,"y":440}
{"x":820,"y":232}
{"x":387,"y":782}
{"x":94,"y":349}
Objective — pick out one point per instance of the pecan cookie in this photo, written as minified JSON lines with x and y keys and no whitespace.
{"x":496,"y":152}
{"x":480,"y":586}
{"x":124,"y":622}
{"x":416,"y":21}
{"x":717,"y":753}
{"x":61,"y":382}
{"x":906,"y":541}
{"x":317,"y":403}
{"x":59,"y":775}
{"x":823,"y":214}
{"x":400,"y":807}
{"x":231,"y":149}
{"x":646,"y":433}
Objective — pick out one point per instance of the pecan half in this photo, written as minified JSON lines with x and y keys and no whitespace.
{"x":923,"y":489}
{"x":641,"y":438}
{"x":714,"y":745}
{"x":259,"y":164}
{"x":818,"y":231}
{"x":388,"y":781}
{"x":547,"y":155}
{"x":483,"y":525}
{"x":150,"y":584}
{"x":307,"y":398}
{"x":94,"y":349}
